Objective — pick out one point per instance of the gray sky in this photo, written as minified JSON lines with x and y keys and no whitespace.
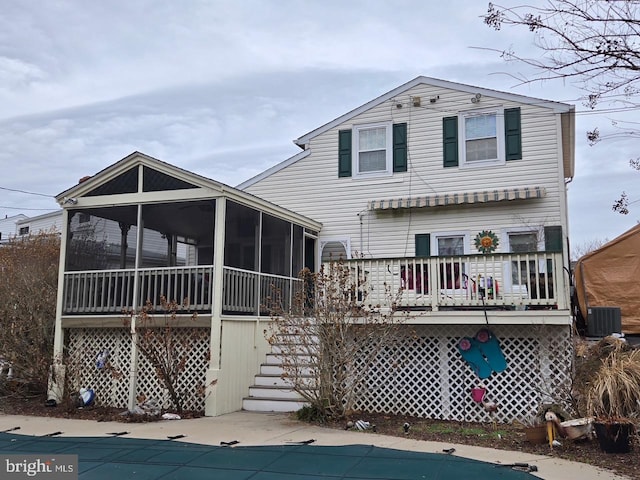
{"x":222,"y":88}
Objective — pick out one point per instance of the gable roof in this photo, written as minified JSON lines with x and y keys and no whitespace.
{"x":556,"y":107}
{"x":88,"y":184}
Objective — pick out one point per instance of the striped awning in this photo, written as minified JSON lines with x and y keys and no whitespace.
{"x":460,"y":198}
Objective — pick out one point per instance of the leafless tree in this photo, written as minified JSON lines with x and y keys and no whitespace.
{"x":330,"y":337}
{"x":581,"y":249}
{"x":160,"y":340}
{"x":28,"y":286}
{"x":595,"y":43}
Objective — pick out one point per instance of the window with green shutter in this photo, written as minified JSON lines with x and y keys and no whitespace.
{"x":400,"y":147}
{"x":450,"y":141}
{"x":344,"y":153}
{"x":553,"y":238}
{"x":482,"y":137}
{"x":512,"y":134}
{"x":423,"y":245}
{"x":372,"y":150}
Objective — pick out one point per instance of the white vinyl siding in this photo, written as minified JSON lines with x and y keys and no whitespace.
{"x":311,"y":187}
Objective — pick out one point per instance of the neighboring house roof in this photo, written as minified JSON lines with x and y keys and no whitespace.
{"x":87,"y":184}
{"x":557,"y":107}
{"x":8,"y":227}
{"x":44,"y":216}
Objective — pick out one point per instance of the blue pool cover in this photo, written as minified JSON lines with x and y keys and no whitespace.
{"x":118,"y":457}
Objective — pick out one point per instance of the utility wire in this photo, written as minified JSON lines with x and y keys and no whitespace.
{"x":24,"y":191}
{"x":24,"y":208}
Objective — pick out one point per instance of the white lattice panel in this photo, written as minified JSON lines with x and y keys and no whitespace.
{"x":194,"y":343}
{"x":426,"y":376}
{"x":111,"y":383}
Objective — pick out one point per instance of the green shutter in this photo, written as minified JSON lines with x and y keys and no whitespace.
{"x":400,"y":147}
{"x":450,"y":141}
{"x":344,"y":153}
{"x":553,"y":238}
{"x":512,"y":134}
{"x":423,"y":245}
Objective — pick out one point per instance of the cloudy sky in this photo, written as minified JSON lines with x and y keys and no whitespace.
{"x":222,"y":88}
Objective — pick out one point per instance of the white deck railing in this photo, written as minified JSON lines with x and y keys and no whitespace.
{"x":253,"y":292}
{"x":509,"y":280}
{"x":112,"y":291}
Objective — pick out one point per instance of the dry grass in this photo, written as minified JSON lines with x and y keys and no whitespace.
{"x":614,"y":389}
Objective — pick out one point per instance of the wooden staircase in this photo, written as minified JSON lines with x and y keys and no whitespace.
{"x":271,"y":392}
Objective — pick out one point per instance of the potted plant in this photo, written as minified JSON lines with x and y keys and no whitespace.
{"x":613,"y":398}
{"x":535,"y":430}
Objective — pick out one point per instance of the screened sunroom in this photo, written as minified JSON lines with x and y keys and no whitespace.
{"x":153,"y":231}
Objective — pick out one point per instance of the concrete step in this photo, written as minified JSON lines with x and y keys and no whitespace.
{"x":294,"y":348}
{"x":266,"y":404}
{"x":272,"y":381}
{"x":271,"y":369}
{"x":276,"y":358}
{"x":271,"y":391}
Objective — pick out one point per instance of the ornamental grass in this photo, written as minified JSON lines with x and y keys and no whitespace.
{"x":614,"y":389}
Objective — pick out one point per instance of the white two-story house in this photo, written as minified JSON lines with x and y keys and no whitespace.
{"x":453,"y":194}
{"x":457,"y":194}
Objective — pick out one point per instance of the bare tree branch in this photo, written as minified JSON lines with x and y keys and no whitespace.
{"x":595,"y":43}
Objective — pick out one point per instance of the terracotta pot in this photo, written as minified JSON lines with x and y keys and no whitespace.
{"x":536,"y":434}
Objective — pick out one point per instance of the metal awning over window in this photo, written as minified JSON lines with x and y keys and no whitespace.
{"x":460,"y":198}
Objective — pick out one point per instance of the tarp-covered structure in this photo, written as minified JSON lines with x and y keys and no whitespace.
{"x":610,"y":277}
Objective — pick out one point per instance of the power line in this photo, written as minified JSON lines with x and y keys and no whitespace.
{"x":24,"y":208}
{"x":25,"y":191}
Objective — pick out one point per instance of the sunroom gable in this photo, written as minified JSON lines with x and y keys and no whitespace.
{"x":124,"y":177}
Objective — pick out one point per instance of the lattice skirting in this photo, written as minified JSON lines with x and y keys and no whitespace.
{"x":426,"y":376}
{"x":112,"y":383}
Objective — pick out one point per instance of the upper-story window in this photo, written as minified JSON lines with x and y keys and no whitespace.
{"x":482,"y":137}
{"x":372,"y":150}
{"x":480,"y":141}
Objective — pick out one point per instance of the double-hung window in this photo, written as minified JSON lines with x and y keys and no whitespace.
{"x":523,"y":270}
{"x":452,"y":269}
{"x":481,"y":141}
{"x":372,"y":145}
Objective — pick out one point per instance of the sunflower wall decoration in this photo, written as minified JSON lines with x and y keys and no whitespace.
{"x":486,"y":241}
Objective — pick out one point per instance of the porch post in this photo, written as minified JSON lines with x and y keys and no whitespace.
{"x":124,"y":231}
{"x":133,"y":373}
{"x":57,"y":371}
{"x":211,"y":406}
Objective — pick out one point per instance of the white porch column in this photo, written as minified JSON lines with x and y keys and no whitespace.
{"x":57,"y":372}
{"x":215,"y":346}
{"x":133,"y":370}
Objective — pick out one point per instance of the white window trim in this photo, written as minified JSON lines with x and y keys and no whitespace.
{"x":435,"y":236}
{"x":345,"y":241}
{"x":537,"y":229}
{"x":462,"y":144}
{"x":520,"y":289}
{"x":466,"y":251}
{"x":356,"y":151}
